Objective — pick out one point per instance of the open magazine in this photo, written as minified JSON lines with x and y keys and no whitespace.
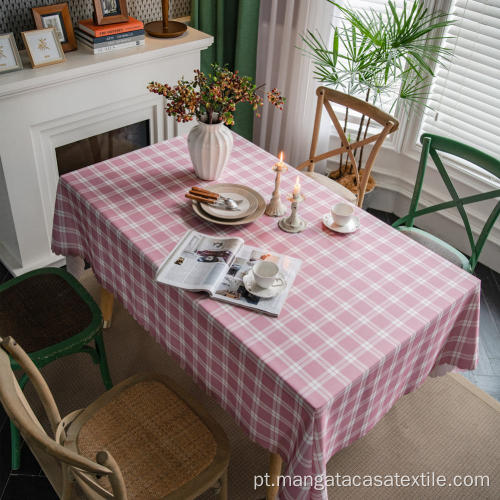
{"x":218,"y":266}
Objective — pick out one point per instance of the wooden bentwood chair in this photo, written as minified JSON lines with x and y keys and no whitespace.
{"x":372,"y":114}
{"x":142,"y":439}
{"x":431,"y":145}
{"x":53,"y":316}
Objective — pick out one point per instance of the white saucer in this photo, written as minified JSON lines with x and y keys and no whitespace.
{"x":263,"y":293}
{"x":348,"y":228}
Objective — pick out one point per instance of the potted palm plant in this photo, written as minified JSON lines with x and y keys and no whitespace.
{"x":386,"y":58}
{"x":212,"y":100}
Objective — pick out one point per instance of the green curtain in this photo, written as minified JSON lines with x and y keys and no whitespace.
{"x":234,"y":25}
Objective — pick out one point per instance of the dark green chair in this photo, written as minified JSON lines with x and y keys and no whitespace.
{"x":431,"y":145}
{"x":53,"y":316}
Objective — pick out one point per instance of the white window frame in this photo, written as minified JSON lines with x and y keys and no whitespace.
{"x":405,"y":141}
{"x":410,"y":145}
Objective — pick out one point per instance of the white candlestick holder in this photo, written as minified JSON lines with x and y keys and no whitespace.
{"x":293,"y":223}
{"x":275,"y":207}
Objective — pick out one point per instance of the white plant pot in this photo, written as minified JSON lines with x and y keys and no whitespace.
{"x":209,"y":147}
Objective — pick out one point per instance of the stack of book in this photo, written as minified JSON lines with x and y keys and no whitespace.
{"x":102,"y":39}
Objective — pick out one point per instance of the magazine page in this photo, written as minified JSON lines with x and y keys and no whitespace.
{"x":199,"y":261}
{"x":232,"y":288}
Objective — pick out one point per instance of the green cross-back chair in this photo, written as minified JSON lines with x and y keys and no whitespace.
{"x":53,"y":316}
{"x":431,"y":144}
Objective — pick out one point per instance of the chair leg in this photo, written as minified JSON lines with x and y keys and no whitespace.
{"x":275,"y":464}
{"x":15,"y":447}
{"x":223,"y":487}
{"x":107,"y":299}
{"x":15,"y":437}
{"x":67,"y":483}
{"x":103,"y":362}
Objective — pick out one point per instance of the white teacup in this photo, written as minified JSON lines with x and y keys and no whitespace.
{"x":342,"y":213}
{"x":266,"y":273}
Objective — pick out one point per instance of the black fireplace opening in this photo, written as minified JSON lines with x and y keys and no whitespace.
{"x":103,"y":146}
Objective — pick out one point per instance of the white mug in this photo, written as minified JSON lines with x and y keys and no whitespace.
{"x":265,"y":273}
{"x":342,"y":213}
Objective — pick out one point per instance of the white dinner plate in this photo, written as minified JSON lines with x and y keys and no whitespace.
{"x":348,"y":228}
{"x":247,"y":206}
{"x":264,"y":293}
{"x":199,"y":210}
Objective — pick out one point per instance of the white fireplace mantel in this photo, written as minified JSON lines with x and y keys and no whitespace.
{"x":44,"y":108}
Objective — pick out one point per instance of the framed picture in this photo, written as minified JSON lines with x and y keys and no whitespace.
{"x":10,"y":60}
{"x":110,"y":11}
{"x":43,"y":47}
{"x":57,"y":17}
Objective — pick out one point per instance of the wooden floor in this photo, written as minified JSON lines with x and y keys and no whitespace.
{"x":30,"y":483}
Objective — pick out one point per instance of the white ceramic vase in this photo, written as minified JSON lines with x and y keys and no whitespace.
{"x":209,"y":147}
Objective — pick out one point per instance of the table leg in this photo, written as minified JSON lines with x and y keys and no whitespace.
{"x":106,"y":307}
{"x":274,"y":471}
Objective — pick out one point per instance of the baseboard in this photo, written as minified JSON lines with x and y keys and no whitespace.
{"x":16,"y":269}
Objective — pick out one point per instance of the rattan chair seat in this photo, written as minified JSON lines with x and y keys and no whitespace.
{"x":157,"y":440}
{"x":41,"y":311}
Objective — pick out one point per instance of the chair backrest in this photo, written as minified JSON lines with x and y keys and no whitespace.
{"x":370,"y":113}
{"x":431,"y":144}
{"x":60,"y":464}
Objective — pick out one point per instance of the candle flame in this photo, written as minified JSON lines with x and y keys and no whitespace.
{"x":281,"y":156}
{"x":296,"y":188}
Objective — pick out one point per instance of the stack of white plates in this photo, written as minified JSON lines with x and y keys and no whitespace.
{"x":250,"y":207}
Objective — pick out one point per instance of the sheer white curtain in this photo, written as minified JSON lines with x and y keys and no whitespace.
{"x":282,"y":65}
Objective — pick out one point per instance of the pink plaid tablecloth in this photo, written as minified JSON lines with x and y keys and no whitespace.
{"x":370,"y":315}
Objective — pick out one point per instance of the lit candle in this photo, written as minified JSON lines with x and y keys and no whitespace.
{"x":281,"y":159}
{"x":296,"y":189}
